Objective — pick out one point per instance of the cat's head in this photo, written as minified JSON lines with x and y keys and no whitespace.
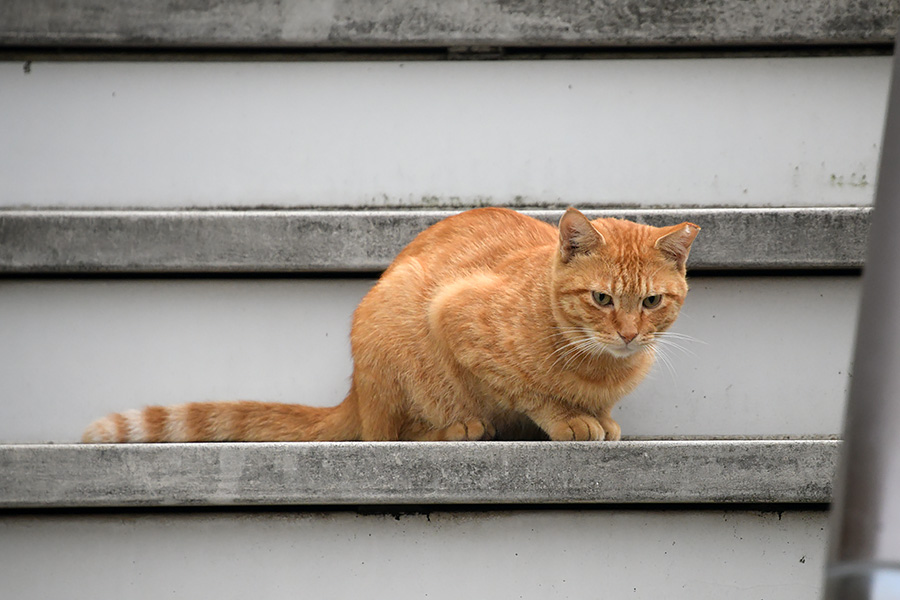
{"x":616,"y":284}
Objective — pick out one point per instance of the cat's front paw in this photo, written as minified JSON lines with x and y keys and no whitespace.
{"x":612,"y":429}
{"x":581,"y":428}
{"x":469,"y":431}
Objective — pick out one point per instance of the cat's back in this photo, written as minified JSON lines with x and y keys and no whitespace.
{"x":476,"y":239}
{"x":476,"y":246}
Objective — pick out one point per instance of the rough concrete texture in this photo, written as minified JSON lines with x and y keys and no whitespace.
{"x":754,"y":471}
{"x":47,"y":241}
{"x":423,"y":23}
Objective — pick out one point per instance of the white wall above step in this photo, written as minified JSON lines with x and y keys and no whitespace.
{"x":765,"y":131}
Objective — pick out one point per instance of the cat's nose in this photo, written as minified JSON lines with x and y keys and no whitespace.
{"x":627,"y":337}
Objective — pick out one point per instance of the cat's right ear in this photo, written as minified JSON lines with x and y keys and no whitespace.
{"x":577,"y":235}
{"x":676,"y":242}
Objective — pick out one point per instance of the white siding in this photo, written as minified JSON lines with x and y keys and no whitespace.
{"x":767,"y":131}
{"x":624,"y":554}
{"x":772,"y":356}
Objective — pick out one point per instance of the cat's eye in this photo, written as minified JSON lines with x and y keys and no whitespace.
{"x":652,"y":301}
{"x":602,"y":299}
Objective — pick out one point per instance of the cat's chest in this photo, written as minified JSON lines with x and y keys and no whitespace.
{"x":593,"y":390}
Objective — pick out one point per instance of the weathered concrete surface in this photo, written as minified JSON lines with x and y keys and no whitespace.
{"x":755,"y":471}
{"x":422,"y":23}
{"x":68,"y":242}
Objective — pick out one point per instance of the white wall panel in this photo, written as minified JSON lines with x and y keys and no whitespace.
{"x":781,"y":131}
{"x":696,"y":555}
{"x":772,"y":358}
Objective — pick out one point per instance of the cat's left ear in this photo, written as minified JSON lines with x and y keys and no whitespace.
{"x":577,"y":235}
{"x":675,"y":242}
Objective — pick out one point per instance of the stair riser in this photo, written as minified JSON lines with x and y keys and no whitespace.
{"x":696,"y":555}
{"x":765,"y":131}
{"x":773,"y":354}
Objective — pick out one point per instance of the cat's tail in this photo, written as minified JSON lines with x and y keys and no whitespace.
{"x":229,"y":422}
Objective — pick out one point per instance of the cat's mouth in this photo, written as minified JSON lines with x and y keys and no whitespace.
{"x":591,"y":343}
{"x":624,"y":350}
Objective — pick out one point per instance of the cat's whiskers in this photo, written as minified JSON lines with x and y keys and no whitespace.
{"x":596,"y":349}
{"x":566,"y":340}
{"x":570,"y":348}
{"x":664,"y":339}
{"x":592,"y":347}
{"x":678,"y":334}
{"x":584,"y":345}
{"x":583,"y":351}
{"x":663,"y":358}
{"x":669,"y":335}
{"x":559,"y":337}
{"x":669,"y":344}
{"x":561,"y":332}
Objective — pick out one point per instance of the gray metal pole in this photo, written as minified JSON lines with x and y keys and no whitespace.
{"x":864,"y":562}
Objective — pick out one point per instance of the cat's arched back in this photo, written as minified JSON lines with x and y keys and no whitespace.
{"x":488,"y":324}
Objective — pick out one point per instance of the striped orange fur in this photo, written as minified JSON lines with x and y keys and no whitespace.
{"x":490,"y":324}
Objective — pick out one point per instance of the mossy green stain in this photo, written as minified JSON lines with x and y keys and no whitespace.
{"x":858,"y":181}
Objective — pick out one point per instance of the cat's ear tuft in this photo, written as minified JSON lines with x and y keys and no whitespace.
{"x":577,"y":235}
{"x":675,"y":242}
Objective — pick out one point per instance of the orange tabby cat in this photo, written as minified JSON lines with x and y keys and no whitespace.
{"x":487,"y":324}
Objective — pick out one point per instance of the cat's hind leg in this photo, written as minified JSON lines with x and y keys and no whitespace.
{"x":382,"y":405}
{"x":472,"y":430}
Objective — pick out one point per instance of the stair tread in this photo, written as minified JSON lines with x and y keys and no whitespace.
{"x":785,"y":471}
{"x":393,"y":25}
{"x":43,"y":241}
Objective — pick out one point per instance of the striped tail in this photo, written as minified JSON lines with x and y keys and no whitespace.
{"x":228,"y":422}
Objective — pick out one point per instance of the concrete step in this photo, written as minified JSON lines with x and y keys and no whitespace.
{"x":328,"y":241}
{"x":390,"y":25}
{"x":648,"y":520}
{"x":397,"y":473}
